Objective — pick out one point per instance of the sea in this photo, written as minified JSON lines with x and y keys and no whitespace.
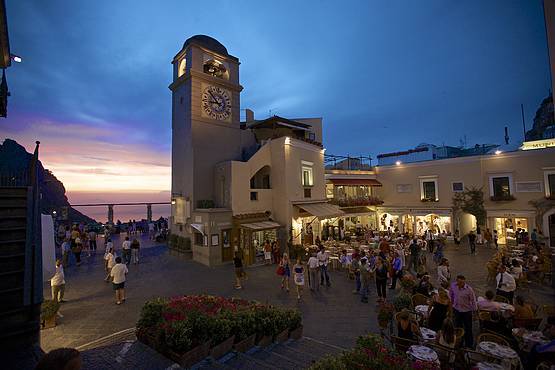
{"x":122,"y":213}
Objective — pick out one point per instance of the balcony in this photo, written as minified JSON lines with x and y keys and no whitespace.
{"x":357,"y":201}
{"x":502,"y":198}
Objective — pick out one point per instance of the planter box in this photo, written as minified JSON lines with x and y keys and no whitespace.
{"x":283,"y":336}
{"x":297,"y":333}
{"x":245,"y":344}
{"x":147,"y":338}
{"x":191,"y":357}
{"x":221,"y":349}
{"x":48,"y":323}
{"x":264,"y":340}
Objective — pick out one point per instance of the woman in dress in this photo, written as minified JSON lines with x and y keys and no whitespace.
{"x":286,"y":272}
{"x":298,"y":269}
{"x":439,"y":309}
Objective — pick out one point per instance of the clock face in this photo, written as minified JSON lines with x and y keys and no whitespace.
{"x":216,"y":103}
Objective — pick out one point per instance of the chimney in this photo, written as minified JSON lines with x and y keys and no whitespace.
{"x":506,"y":135}
{"x":249,"y":115}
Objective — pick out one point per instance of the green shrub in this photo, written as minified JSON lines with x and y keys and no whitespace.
{"x":402,"y":300}
{"x":178,"y":336}
{"x":294,"y":319}
{"x":243,"y":324}
{"x":151,"y":313}
{"x":220,"y":329}
{"x":49,"y":309}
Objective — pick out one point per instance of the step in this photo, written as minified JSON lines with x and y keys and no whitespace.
{"x":13,"y":213}
{"x":12,"y":241}
{"x":304,"y":358}
{"x":277,"y":360}
{"x":245,"y":361}
{"x":17,"y":192}
{"x":13,"y":222}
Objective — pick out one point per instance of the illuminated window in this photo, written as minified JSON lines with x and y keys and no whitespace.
{"x":307,"y":176}
{"x":428,"y":190}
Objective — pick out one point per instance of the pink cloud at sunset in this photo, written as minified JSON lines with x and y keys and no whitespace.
{"x":102,"y":158}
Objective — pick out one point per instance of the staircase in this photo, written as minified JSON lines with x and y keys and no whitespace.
{"x":289,"y":355}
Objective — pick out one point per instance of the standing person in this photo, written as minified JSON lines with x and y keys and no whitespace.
{"x":126,"y":250}
{"x":365,"y":280}
{"x":443,"y":273}
{"x":400,"y":250}
{"x":414,"y":255}
{"x":267,"y":253}
{"x":66,"y":250}
{"x":118,"y":280}
{"x":85,"y":243}
{"x":313,"y":272}
{"x":239,"y":271}
{"x":109,"y":262}
{"x":506,"y":284}
{"x":77,"y":251}
{"x":58,"y":283}
{"x":109,"y":246}
{"x":286,"y":272}
{"x":151,"y":231}
{"x":323,"y":260}
{"x":472,"y":242}
{"x":457,"y":238}
{"x":355,"y":269}
{"x":298,"y":269}
{"x":275,"y":251}
{"x":92,"y":241}
{"x":488,"y":237}
{"x":381,"y":278}
{"x":479,"y":239}
{"x":396,"y":271}
{"x":495,"y":239}
{"x":135,"y":248}
{"x":464,"y":304}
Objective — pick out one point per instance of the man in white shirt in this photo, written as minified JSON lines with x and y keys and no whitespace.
{"x":506,"y":284}
{"x":58,"y":283}
{"x":323,"y":259}
{"x":313,"y":268}
{"x":126,"y":250}
{"x":118,"y":280}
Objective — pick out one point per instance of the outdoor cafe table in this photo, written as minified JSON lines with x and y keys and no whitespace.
{"x":510,"y":359}
{"x":528,"y":339}
{"x":422,"y":353}
{"x":422,"y":309}
{"x":428,"y":335}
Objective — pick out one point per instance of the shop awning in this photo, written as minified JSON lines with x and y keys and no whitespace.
{"x":198,"y":227}
{"x":321,"y":209}
{"x":262,"y":225}
{"x":368,"y":182}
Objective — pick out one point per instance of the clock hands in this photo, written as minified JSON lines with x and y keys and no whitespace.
{"x":215,"y":101}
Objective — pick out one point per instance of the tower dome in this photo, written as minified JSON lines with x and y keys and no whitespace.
{"x":207,"y":42}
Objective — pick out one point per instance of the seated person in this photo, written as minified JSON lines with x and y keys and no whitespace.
{"x":516,"y":269}
{"x":446,"y":335}
{"x":424,"y":287}
{"x":487,"y":303}
{"x":406,"y":328}
{"x":523,"y":310}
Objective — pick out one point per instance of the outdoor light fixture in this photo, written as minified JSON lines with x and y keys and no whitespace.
{"x":16,"y":58}
{"x":54,"y":213}
{"x":173,"y":201}
{"x":497,"y":152}
{"x":287,"y":140}
{"x":398,"y":163}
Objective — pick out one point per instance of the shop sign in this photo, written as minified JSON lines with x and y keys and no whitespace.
{"x":538,"y":144}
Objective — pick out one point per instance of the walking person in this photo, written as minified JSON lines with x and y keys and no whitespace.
{"x":58,"y":283}
{"x":109,"y":262}
{"x":472,"y":242}
{"x":275,"y":252}
{"x":77,"y":251}
{"x":323,"y":260}
{"x":381,"y":279}
{"x":108,"y":246}
{"x":396,"y":271}
{"x":457,"y":238}
{"x":284,"y":264}
{"x":267,"y":253}
{"x":479,"y":237}
{"x":313,"y":272}
{"x":298,"y":270}
{"x":135,"y":248}
{"x":126,"y":250}
{"x":464,"y":304}
{"x":118,"y":280}
{"x":364,"y":280}
{"x":239,"y":271}
{"x":443,"y":273}
{"x":92,"y":241}
{"x":355,"y":269}
{"x":414,"y":255}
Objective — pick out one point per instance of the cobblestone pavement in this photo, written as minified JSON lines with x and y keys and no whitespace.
{"x":334,"y":315}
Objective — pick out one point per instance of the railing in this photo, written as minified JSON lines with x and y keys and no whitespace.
{"x":357,"y":201}
{"x":15,"y":179}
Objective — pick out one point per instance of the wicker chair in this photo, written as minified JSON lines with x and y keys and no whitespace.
{"x":490,"y":337}
{"x":500,"y":299}
{"x":530,"y":324}
{"x":471,"y":358}
{"x":419,"y":299}
{"x":413,"y":316}
{"x":446,"y":355}
{"x":401,"y":345}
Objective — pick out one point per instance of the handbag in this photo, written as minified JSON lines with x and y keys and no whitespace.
{"x":280,"y":271}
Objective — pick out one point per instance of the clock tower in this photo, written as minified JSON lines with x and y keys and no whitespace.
{"x":205,"y":120}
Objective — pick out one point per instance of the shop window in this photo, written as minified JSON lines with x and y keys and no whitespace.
{"x":199,"y":239}
{"x":458,"y":187}
{"x":254,"y":195}
{"x":550,"y":184}
{"x":307,"y":176}
{"x":500,"y":187}
{"x":307,"y":192}
{"x":428,"y":190}
{"x":329,"y":191}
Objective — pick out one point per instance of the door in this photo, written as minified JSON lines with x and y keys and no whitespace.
{"x":227,"y":250}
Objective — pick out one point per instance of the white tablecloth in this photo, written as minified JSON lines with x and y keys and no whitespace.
{"x":507,"y":354}
{"x":422,"y":353}
{"x":427,"y":334}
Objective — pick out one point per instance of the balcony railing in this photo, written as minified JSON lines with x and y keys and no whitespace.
{"x":357,"y":201}
{"x":502,"y":198}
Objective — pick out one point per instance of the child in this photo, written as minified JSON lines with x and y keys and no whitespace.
{"x":299,"y":277}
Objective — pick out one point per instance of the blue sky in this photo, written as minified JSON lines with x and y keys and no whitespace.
{"x":384,"y":75}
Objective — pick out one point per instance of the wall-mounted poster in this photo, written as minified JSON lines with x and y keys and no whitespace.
{"x":215,"y":240}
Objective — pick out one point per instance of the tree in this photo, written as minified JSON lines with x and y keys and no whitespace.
{"x":471,"y":200}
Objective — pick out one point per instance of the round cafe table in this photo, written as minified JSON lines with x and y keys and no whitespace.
{"x":427,"y":334}
{"x":422,"y":309}
{"x":510,"y":359}
{"x":422,"y":353}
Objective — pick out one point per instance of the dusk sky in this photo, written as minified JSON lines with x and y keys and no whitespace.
{"x":384,"y":75}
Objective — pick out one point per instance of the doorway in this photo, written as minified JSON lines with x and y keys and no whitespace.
{"x":227,"y":251}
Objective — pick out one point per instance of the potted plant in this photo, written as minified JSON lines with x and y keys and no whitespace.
{"x":402,"y":300}
{"x":385,"y":314}
{"x":180,"y":346}
{"x":408,"y":283}
{"x":48,"y":313}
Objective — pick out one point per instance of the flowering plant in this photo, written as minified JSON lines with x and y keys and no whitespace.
{"x":385,"y":312}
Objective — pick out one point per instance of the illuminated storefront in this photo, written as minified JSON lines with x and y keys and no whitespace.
{"x":508,"y":223}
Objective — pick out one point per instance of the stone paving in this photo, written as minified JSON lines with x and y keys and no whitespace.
{"x":334,"y":315}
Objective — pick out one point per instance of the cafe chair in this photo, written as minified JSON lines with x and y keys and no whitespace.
{"x":471,"y":358}
{"x":529,"y":324}
{"x":402,"y":345}
{"x":419,"y":299}
{"x":500,"y":299}
{"x":490,"y":337}
{"x":459,"y":335}
{"x":446,"y":355}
